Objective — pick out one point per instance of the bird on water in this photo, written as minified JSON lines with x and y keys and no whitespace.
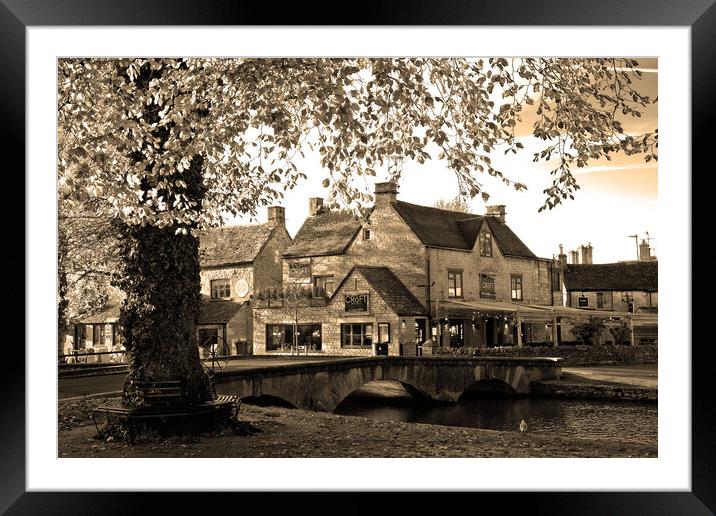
{"x":523,"y":426}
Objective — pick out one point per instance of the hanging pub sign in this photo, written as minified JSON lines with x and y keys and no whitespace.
{"x":487,"y":286}
{"x":356,"y":302}
{"x":583,"y":302}
{"x":299,"y":270}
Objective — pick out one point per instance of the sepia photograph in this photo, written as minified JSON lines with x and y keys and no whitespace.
{"x":384,"y":257}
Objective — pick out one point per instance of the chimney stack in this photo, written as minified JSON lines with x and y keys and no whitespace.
{"x":585,"y":254}
{"x":644,"y":251}
{"x":497,"y":211}
{"x":573,"y":257}
{"x":385,"y":193}
{"x":561,"y":256}
{"x":315,"y":205}
{"x":277,"y":215}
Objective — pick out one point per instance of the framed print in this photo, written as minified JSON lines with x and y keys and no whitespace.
{"x":250,"y":305}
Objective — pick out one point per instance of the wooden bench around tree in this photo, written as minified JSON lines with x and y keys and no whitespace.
{"x":162,"y":401}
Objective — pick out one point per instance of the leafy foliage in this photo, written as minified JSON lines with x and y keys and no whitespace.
{"x":588,"y":331}
{"x":621,"y":333}
{"x":130,"y":128}
{"x":456,"y":203}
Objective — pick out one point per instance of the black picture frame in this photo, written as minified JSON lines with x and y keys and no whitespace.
{"x":17,"y":15}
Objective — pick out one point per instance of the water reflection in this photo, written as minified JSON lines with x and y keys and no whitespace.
{"x":621,"y":421}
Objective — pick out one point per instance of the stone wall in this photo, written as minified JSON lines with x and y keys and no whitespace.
{"x":233,"y":274}
{"x":331,"y":316}
{"x":571,"y":355}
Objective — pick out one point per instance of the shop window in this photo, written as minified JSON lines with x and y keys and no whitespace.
{"x":485,"y":243}
{"x":280,"y":337}
{"x":357,"y":335}
{"x":220,"y":289}
{"x":516,"y":282}
{"x":323,"y":286}
{"x":454,"y":283}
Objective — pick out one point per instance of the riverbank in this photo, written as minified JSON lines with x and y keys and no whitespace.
{"x":300,"y":433}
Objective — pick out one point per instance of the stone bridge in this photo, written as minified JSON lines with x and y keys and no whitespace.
{"x":323,"y":385}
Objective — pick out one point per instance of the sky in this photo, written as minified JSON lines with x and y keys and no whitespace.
{"x":616,"y":198}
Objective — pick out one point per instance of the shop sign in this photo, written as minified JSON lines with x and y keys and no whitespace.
{"x":487,"y":287}
{"x":356,"y":302}
{"x":299,"y":270}
{"x":583,"y":302}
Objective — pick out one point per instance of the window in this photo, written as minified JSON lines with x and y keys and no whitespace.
{"x":600,"y":299}
{"x":516,"y":282}
{"x":454,"y":283}
{"x":383,"y":333}
{"x":220,"y":289}
{"x":366,"y":234}
{"x":485,"y":243}
{"x":324,"y":286}
{"x":357,"y":335}
{"x":280,"y":337}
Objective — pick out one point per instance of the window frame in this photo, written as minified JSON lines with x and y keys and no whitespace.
{"x":380,"y":326}
{"x":352,"y":334}
{"x":452,"y":284}
{"x":285,"y":328}
{"x":485,"y":243}
{"x":213,"y":282}
{"x":514,"y":289}
{"x":367,"y":234}
{"x":325,"y":277}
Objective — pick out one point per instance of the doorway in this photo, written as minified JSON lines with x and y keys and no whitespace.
{"x":456,"y":330}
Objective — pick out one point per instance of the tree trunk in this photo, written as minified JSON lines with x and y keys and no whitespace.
{"x":160,"y":278}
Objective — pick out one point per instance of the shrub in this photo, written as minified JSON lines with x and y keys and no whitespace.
{"x":621,"y":333}
{"x":588,"y":331}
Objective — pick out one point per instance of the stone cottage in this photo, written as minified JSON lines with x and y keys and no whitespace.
{"x":475,"y":280}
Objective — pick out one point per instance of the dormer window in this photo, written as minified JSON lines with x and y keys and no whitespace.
{"x":220,"y":289}
{"x":485,"y":243}
{"x":366,"y":234}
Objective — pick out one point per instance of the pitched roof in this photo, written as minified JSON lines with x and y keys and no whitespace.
{"x":215,"y":311}
{"x":612,"y":276}
{"x":108,"y":315}
{"x":436,"y":227}
{"x":231,"y":245}
{"x":329,"y":232}
{"x":395,"y":294}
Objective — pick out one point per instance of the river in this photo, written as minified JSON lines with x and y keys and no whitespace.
{"x":590,"y":419}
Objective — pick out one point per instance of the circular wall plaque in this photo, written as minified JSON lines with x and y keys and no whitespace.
{"x":242,"y":288}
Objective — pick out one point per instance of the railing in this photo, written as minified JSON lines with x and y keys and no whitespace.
{"x":89,"y":356}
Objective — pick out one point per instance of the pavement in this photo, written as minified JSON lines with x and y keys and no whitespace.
{"x":642,"y":375}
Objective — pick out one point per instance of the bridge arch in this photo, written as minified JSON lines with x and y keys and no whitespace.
{"x":488,"y":387}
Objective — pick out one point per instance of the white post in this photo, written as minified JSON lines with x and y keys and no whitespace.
{"x":555,"y":335}
{"x":519,"y":331}
{"x":631,"y":330}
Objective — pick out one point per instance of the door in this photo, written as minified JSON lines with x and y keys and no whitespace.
{"x":456,"y":329}
{"x":490,"y":332}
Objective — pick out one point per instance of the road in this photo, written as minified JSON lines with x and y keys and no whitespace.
{"x":642,"y":375}
{"x":84,"y":385}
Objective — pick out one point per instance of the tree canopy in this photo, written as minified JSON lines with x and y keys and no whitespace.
{"x":130,"y":129}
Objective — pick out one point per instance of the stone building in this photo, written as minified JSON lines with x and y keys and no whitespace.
{"x":622,"y":287}
{"x":475,"y":279}
{"x":235,"y":261}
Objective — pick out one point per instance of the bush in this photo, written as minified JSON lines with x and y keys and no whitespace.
{"x":621,"y":333}
{"x":588,"y":331}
